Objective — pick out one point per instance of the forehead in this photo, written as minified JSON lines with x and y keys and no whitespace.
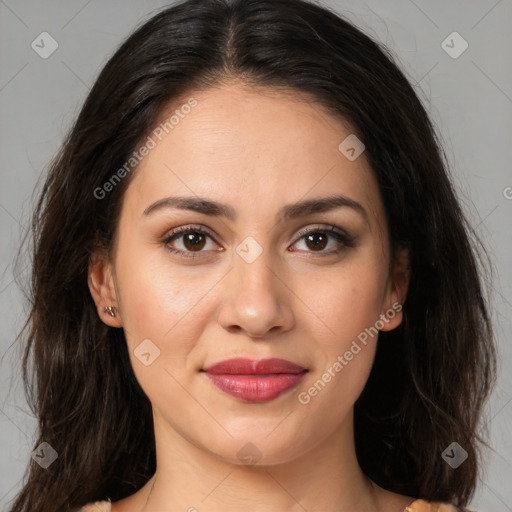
{"x":254,"y":149}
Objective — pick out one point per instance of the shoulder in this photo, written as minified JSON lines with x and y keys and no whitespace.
{"x":98,"y":506}
{"x":415,"y":506}
{"x":431,"y":506}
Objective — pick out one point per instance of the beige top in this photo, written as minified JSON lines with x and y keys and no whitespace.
{"x":415,"y":506}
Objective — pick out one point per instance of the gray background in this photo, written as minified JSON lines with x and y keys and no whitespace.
{"x":469,"y":97}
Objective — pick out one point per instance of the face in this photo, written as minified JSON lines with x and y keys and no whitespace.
{"x":263,"y":281}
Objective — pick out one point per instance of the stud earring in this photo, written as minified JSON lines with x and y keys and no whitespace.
{"x":111,"y":310}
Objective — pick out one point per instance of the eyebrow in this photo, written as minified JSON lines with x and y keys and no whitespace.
{"x":288,"y":212}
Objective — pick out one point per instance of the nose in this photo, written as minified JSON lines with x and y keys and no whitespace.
{"x":257,"y":299}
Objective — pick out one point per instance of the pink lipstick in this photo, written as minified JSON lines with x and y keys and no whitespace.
{"x":255,"y":381}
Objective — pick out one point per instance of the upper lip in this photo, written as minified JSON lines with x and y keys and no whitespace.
{"x":244,"y":366}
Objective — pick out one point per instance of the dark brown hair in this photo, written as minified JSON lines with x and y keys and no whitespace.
{"x":431,"y":375}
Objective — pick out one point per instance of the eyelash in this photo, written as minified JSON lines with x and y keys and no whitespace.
{"x":346,"y":240}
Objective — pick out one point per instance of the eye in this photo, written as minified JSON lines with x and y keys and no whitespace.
{"x":193,"y":240}
{"x":315,"y":240}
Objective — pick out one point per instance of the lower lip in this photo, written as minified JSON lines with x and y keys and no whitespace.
{"x":254,"y":388}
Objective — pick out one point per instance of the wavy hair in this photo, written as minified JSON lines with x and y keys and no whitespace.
{"x":431,"y":375}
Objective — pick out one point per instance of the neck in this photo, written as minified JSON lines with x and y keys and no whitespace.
{"x":327,"y":477}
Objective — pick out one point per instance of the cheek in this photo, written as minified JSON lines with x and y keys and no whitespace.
{"x":160,"y":304}
{"x":346,"y":350}
{"x":163,"y":315}
{"x":347,"y":302}
{"x":153,"y":296}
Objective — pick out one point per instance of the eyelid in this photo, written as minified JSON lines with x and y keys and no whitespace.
{"x":326,"y":228}
{"x":190,"y":228}
{"x":300,"y":234}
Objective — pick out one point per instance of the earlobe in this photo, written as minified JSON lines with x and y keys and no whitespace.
{"x":101,"y":285}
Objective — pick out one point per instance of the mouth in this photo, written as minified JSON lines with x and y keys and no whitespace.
{"x":255,"y":381}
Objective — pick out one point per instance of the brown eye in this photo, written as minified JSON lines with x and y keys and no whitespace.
{"x":316,"y":241}
{"x":194,"y":241}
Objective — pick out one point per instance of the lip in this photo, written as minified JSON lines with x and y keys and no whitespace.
{"x":255,"y":380}
{"x":244,"y":366}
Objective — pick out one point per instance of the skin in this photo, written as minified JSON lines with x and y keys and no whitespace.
{"x":256,"y":151}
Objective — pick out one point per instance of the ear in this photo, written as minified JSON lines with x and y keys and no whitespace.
{"x":101,"y":285}
{"x":396,"y":292}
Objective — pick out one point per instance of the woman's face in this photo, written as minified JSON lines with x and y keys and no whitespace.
{"x":255,"y":285}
